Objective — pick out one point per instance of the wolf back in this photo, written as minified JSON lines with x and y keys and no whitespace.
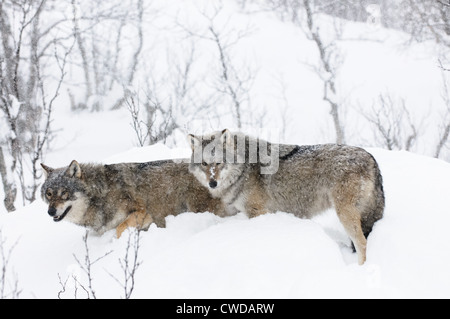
{"x":309,"y":180}
{"x":104,"y":197}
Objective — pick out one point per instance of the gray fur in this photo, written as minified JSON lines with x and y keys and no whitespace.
{"x":103,"y":196}
{"x":309,"y":180}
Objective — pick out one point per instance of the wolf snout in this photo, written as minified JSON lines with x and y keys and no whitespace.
{"x":52,"y":211}
{"x":213,"y":184}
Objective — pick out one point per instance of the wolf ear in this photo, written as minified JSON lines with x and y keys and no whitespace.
{"x":47,"y":169}
{"x":194,"y":141}
{"x":74,"y":170}
{"x":226,"y":137}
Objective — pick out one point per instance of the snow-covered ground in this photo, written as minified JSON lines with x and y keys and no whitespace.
{"x":272,"y":256}
{"x":275,"y":255}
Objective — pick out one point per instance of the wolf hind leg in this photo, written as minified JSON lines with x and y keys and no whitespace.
{"x":345,"y":196}
{"x":138,"y":219}
{"x":350,"y":218}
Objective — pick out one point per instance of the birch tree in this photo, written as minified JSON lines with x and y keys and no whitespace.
{"x":27,"y":47}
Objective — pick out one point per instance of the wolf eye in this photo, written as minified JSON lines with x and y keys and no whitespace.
{"x":64,"y":194}
{"x":49,"y":194}
{"x":205,"y":164}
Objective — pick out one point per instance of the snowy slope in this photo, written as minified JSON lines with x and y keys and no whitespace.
{"x":272,"y":256}
{"x":375,"y":61}
{"x":278,"y":255}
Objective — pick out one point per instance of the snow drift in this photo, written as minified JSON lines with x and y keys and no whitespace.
{"x":271,"y":256}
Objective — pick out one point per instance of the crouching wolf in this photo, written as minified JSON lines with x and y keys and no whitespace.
{"x":308,"y":180}
{"x":118,"y":196}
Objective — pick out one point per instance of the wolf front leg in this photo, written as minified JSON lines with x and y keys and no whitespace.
{"x":256,"y":202}
{"x":138,"y":219}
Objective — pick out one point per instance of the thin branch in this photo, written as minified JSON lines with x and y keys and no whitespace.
{"x":130,"y":263}
{"x":393,"y":127}
{"x":141,"y":129}
{"x":441,"y":66}
{"x":86,"y":266}
{"x":5,"y":258}
{"x":445,"y":131}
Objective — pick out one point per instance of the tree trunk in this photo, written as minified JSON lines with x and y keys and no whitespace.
{"x":8,"y":186}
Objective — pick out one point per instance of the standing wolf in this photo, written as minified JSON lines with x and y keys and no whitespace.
{"x":309,"y":180}
{"x":104,"y":197}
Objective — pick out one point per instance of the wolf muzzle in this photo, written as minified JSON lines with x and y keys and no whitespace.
{"x":213,"y":184}
{"x":52,"y":211}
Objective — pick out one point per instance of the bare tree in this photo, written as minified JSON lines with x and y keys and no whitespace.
{"x":392,"y":124}
{"x":426,"y":19}
{"x":305,"y":14}
{"x":25,"y":103}
{"x":81,"y":48}
{"x":9,"y":287}
{"x":285,"y":106}
{"x":151,"y":117}
{"x":141,"y":128}
{"x":232,"y":82}
{"x":130,"y":263}
{"x":9,"y":186}
{"x":42,"y":123}
{"x":330,"y":61}
{"x":99,"y":28}
{"x":170,"y":98}
{"x":86,"y":266}
{"x":444,"y":132}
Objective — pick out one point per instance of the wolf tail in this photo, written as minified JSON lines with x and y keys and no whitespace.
{"x":375,"y":208}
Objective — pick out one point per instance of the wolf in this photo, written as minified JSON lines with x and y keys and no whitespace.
{"x":118,"y":196}
{"x":308,"y":180}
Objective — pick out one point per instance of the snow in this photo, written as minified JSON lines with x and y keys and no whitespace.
{"x":271,"y":256}
{"x":275,"y":255}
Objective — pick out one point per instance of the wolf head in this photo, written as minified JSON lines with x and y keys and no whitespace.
{"x":215,"y":160}
{"x":221,"y":158}
{"x":64,"y":191}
